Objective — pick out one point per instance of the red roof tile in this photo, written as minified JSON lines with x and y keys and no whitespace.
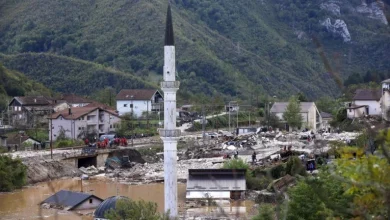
{"x":136,"y":94}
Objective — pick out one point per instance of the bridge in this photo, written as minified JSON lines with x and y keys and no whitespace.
{"x":87,"y":156}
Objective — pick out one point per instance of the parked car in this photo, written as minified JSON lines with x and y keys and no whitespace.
{"x":211,"y":134}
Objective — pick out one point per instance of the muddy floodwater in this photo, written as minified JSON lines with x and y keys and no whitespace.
{"x":24,"y":203}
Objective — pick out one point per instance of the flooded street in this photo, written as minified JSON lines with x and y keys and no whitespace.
{"x":24,"y":203}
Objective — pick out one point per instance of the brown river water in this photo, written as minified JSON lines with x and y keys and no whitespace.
{"x":24,"y":203}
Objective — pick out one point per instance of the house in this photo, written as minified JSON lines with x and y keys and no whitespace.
{"x":326,"y":119}
{"x":3,"y":141}
{"x":311,"y":117}
{"x":365,"y":102}
{"x":21,"y":141}
{"x":27,"y":111}
{"x":69,"y":200}
{"x":385,"y":100}
{"x":74,"y":100}
{"x":106,"y":205}
{"x":216,"y":183}
{"x":232,"y":107}
{"x":137,"y":101}
{"x":77,"y":122}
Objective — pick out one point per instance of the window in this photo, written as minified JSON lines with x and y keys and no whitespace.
{"x":79,"y":128}
{"x":350,"y":110}
{"x":19,"y":108}
{"x":124,"y":105}
{"x":110,"y":126}
{"x":90,"y":201}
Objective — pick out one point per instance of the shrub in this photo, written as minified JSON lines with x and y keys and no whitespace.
{"x":129,"y":209}
{"x":266,"y":212}
{"x":278,"y":171}
{"x":294,"y":166}
{"x":13,"y":173}
{"x":254,"y":183}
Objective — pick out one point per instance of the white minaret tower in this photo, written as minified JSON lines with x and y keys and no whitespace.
{"x":170,"y":134}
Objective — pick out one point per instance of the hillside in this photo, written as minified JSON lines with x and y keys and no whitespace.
{"x":69,"y":75}
{"x":223,"y":47}
{"x":13,"y":83}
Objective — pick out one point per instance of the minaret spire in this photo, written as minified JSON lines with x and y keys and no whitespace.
{"x":170,"y":134}
{"x":169,"y":38}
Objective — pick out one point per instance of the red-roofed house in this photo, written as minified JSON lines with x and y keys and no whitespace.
{"x":139,"y":101}
{"x":365,"y":102}
{"x":74,"y":100}
{"x":77,"y":122}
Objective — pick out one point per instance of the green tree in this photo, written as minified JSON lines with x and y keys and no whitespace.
{"x":126,"y":209}
{"x":266,"y":212}
{"x":294,"y":166}
{"x":13,"y":173}
{"x":292,"y":114}
{"x":301,"y":97}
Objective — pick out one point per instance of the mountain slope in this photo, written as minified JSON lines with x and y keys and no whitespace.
{"x":13,"y":83}
{"x":223,"y":46}
{"x":69,"y":75}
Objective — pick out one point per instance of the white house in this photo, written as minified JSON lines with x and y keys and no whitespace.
{"x":365,"y":102}
{"x":77,"y":122}
{"x":311,"y":118}
{"x":138,"y":101}
{"x":216,"y":183}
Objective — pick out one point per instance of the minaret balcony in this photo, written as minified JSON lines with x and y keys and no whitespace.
{"x":166,"y":133}
{"x":170,"y":85}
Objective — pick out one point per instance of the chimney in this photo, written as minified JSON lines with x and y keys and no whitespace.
{"x":70,"y":111}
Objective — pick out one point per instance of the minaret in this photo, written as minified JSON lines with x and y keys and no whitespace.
{"x":170,"y":134}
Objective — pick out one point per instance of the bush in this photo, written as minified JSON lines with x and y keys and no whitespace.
{"x":278,"y":171}
{"x":254,"y":183}
{"x":13,"y":174}
{"x":68,"y":143}
{"x":129,"y":210}
{"x":266,"y":212}
{"x":294,"y":167}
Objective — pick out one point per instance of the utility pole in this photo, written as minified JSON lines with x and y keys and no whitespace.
{"x":203,"y":123}
{"x":229,"y":116}
{"x":51,"y":135}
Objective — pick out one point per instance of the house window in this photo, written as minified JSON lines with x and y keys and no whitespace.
{"x":350,"y":110}
{"x":19,"y":108}
{"x":90,"y":201}
{"x":110,"y":126}
{"x":79,"y":128}
{"x":124,"y":105}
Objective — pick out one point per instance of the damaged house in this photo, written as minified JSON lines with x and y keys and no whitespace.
{"x":311,"y":117}
{"x":27,"y":111}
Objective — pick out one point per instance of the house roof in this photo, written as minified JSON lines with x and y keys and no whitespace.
{"x":353,"y":106}
{"x":368,"y":94}
{"x":280,"y":107}
{"x":17,"y":139}
{"x":216,"y":180}
{"x":69,"y":199}
{"x":326,"y":115}
{"x":72,"y":98}
{"x":33,"y":100}
{"x":77,"y":112}
{"x":386,"y":81}
{"x":106,"y":205}
{"x":136,"y":94}
{"x":100,"y":105}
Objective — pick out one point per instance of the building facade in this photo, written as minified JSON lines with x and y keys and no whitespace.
{"x":311,"y":117}
{"x":139,"y":101}
{"x":77,"y":122}
{"x":365,"y":102}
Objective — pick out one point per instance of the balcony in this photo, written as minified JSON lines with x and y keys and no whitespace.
{"x":170,"y":84}
{"x":169,"y":133}
{"x":91,"y":122}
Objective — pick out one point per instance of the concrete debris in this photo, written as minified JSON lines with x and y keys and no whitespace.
{"x":91,"y":170}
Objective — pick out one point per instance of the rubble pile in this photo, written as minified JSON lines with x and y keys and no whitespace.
{"x":44,"y":170}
